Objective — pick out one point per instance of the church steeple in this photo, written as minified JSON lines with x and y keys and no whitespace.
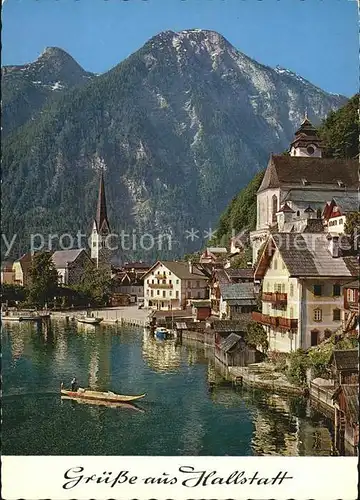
{"x":101,"y":229}
{"x":307,"y":141}
{"x":101,"y":219}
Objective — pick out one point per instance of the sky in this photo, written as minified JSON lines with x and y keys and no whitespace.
{"x":318,"y":39}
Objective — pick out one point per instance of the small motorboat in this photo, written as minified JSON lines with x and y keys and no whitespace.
{"x":109,"y":396}
{"x":89,"y":320}
{"x":164,"y":333}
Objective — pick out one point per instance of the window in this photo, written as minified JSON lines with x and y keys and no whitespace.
{"x":152,"y":281}
{"x":317,"y":314}
{"x":189,"y":284}
{"x":314,"y":337}
{"x":318,"y":213}
{"x":310,"y":150}
{"x":298,"y":213}
{"x":158,"y":292}
{"x":169,"y":273}
{"x":336,"y":315}
{"x":198,"y":295}
{"x":318,"y":290}
{"x":351,"y":295}
{"x":164,"y":293}
{"x":274,"y":207}
{"x":198,"y":284}
{"x":336,"y":290}
{"x":291,"y":290}
{"x":177,"y":282}
{"x":170,"y":293}
{"x":164,"y":282}
{"x":275,"y":264}
{"x":170,"y":282}
{"x":177,"y":294}
{"x":94,"y":243}
{"x":152,"y":293}
{"x":341,"y":221}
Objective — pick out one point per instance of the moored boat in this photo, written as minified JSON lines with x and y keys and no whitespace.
{"x":163,"y":333}
{"x":20,"y":318}
{"x":109,"y":396}
{"x":89,"y":320}
{"x":108,"y":404}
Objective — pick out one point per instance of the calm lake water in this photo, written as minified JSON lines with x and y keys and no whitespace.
{"x":178,"y":416}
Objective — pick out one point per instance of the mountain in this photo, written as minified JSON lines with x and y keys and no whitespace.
{"x":28,"y":88}
{"x":179,"y":127}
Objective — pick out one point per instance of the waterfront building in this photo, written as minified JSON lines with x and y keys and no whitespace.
{"x":70,"y":265}
{"x":100,"y":252}
{"x":297,"y":185}
{"x":129,"y":282}
{"x":172,"y":285}
{"x":233,"y":351}
{"x":351,"y":307}
{"x":302,"y":281}
{"x":226,"y":276}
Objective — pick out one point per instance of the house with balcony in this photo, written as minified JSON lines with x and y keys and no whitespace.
{"x":302,"y":277}
{"x":173,"y":284}
{"x":226,"y":276}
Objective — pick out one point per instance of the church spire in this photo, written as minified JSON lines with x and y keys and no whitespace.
{"x":307,"y":141}
{"x":101,"y":212}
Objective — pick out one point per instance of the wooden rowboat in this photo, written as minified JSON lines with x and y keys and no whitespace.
{"x":96,"y":402}
{"x":109,"y":396}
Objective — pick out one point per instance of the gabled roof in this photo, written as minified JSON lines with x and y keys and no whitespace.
{"x":180,"y":269}
{"x":306,"y":255}
{"x":245,"y":273}
{"x":347,"y":359}
{"x":286,"y":208}
{"x":237,"y":291}
{"x":231,"y":341}
{"x":62,"y":258}
{"x":230,"y":325}
{"x":290,"y":170}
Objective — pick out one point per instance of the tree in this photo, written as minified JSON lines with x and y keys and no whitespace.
{"x":43,"y":280}
{"x":352,"y":228}
{"x":96,"y":284}
{"x":12,"y":293}
{"x":256,"y":336}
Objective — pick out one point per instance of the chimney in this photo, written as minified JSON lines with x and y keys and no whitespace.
{"x":334,"y":247}
{"x":190,"y":267}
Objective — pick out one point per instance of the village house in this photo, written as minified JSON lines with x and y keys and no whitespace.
{"x":70,"y":265}
{"x":172,"y":285}
{"x":302,"y":278}
{"x":21,"y":269}
{"x":239,"y":242}
{"x":236,"y":299}
{"x":129,"y":283}
{"x":344,"y":366}
{"x":338,"y":209}
{"x":346,"y":402}
{"x":226,"y":276}
{"x":7,"y":273}
{"x":213,"y":255}
{"x":301,"y":183}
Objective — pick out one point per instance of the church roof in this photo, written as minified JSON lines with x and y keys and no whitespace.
{"x":328,"y":172}
{"x":101,"y":219}
{"x":306,"y":134}
{"x":286,"y":208}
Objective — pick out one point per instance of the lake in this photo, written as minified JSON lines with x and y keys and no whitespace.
{"x":180,"y":415}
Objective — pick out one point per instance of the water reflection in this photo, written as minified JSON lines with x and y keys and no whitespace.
{"x":161,"y":355}
{"x":182,"y":417}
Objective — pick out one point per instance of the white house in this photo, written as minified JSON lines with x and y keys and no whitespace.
{"x":302,"y":279}
{"x":172,"y":285}
{"x":70,"y":265}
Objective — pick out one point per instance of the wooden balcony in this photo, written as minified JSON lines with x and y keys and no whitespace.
{"x":161,"y":276}
{"x":275,"y":321}
{"x":274,"y":297}
{"x":287,"y":323}
{"x":160,"y":285}
{"x":264,"y":319}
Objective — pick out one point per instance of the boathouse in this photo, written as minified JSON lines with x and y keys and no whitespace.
{"x":233,"y":351}
{"x":346,"y":401}
{"x":344,"y":366}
